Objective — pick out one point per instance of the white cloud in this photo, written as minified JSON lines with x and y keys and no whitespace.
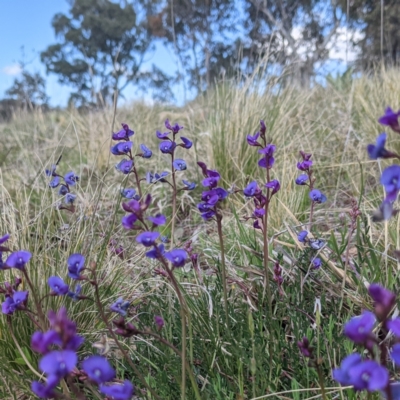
{"x":12,"y":70}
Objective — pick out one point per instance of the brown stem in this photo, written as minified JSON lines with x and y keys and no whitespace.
{"x":267,"y":288}
{"x":41,"y":315}
{"x":137,"y":181}
{"x":173,"y":201}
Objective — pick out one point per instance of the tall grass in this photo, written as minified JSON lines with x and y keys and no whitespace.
{"x":334,"y":122}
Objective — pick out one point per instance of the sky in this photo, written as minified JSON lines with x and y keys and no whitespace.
{"x":25,"y":31}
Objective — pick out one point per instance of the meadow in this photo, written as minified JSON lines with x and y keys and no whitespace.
{"x":241,"y":342}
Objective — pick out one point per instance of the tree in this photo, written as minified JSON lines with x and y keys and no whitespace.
{"x":295,"y":33}
{"x":102,"y":49}
{"x":380,"y":34}
{"x":202,"y":33}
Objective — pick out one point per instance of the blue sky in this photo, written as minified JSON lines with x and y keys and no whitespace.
{"x":27,"y":24}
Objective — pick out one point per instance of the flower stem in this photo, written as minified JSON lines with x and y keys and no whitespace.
{"x":223,"y":267}
{"x":174,"y":192}
{"x":41,"y":315}
{"x":267,"y":288}
{"x":137,"y":181}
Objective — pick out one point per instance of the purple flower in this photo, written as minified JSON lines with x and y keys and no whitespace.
{"x":167,"y":147}
{"x":210,"y":196}
{"x":301,"y":237}
{"x":208,"y":215}
{"x":304,"y":165}
{"x":128,"y":193}
{"x":252,"y":140}
{"x":378,"y":150}
{"x":4,"y":238}
{"x":159,"y":219}
{"x":274,"y":185}
{"x":128,"y":222}
{"x":359,"y":328}
{"x":304,"y":347}
{"x":189,"y":185}
{"x":390,"y":118}
{"x":316,"y":263}
{"x":384,"y":300}
{"x":159,"y":321}
{"x":118,"y":391}
{"x":63,"y":190}
{"x":369,"y":375}
{"x":41,"y":342}
{"x":395,"y":354}
{"x":70,"y":198}
{"x":268,"y":160}
{"x":58,"y":363}
{"x":122,"y":148}
{"x":174,"y":128}
{"x":156,"y":252}
{"x":221,"y":193}
{"x":317,"y":196}
{"x":147,"y":239}
{"x":75,"y":295}
{"x":394,"y":326}
{"x":160,"y":177}
{"x":390,"y":179}
{"x":146,"y":152}
{"x":124,"y":166}
{"x":302,"y":179}
{"x":18,"y":259}
{"x":54,"y":182}
{"x":177,"y":257}
{"x":98,"y":369}
{"x":70,"y":178}
{"x":179,"y":164}
{"x":384,"y":212}
{"x":58,"y":286}
{"x":342,"y":374}
{"x":120,"y":306}
{"x":124,"y":134}
{"x":251,"y":189}
{"x":211,"y":181}
{"x":162,"y":135}
{"x":259,"y":212}
{"x":51,"y":171}
{"x":187,"y":144}
{"x":75,"y":263}
{"x":16,"y":302}
{"x":45,"y":391}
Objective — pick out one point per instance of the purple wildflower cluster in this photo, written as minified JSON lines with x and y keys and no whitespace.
{"x":367,"y":373}
{"x":213,"y":195}
{"x":64,"y":184}
{"x":390,"y":178}
{"x":58,"y":347}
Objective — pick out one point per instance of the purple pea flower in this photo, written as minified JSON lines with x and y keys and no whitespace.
{"x":384,"y":300}
{"x":76,"y":294}
{"x":259,"y":212}
{"x":16,"y":302}
{"x":75,"y":263}
{"x":41,"y":342}
{"x":189,"y":185}
{"x":390,"y":179}
{"x":58,"y":363}
{"x":57,"y":286}
{"x":121,"y":149}
{"x":54,"y":182}
{"x":317,"y":196}
{"x":159,"y":321}
{"x":124,"y":134}
{"x":63,"y":190}
{"x":167,"y":147}
{"x":128,"y":222}
{"x":174,"y":128}
{"x":128,"y":193}
{"x":18,"y":259}
{"x":341,"y":374}
{"x":268,"y":160}
{"x":51,"y":171}
{"x":251,"y":189}
{"x":316,"y":263}
{"x":161,"y":177}
{"x":274,"y":185}
{"x":211,"y":181}
{"x":98,"y":369}
{"x":162,"y":136}
{"x":45,"y":391}
{"x":304,"y":165}
{"x":120,"y":306}
{"x":301,"y":237}
{"x":395,"y":354}
{"x":252,"y":140}
{"x":177,"y":257}
{"x":187,"y":144}
{"x":146,"y":152}
{"x":70,"y":178}
{"x":390,"y":118}
{"x":124,"y":166}
{"x":369,"y":375}
{"x":359,"y":328}
{"x":70,"y":198}
{"x":378,"y":150}
{"x":147,"y":239}
{"x":221,"y":193}
{"x":123,"y":391}
{"x":302,"y":179}
{"x":394,"y":326}
{"x":179,"y":164}
{"x":159,"y":219}
{"x":4,"y":238}
{"x":156,"y":252}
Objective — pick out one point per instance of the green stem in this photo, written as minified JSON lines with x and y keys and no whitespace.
{"x":223,"y":267}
